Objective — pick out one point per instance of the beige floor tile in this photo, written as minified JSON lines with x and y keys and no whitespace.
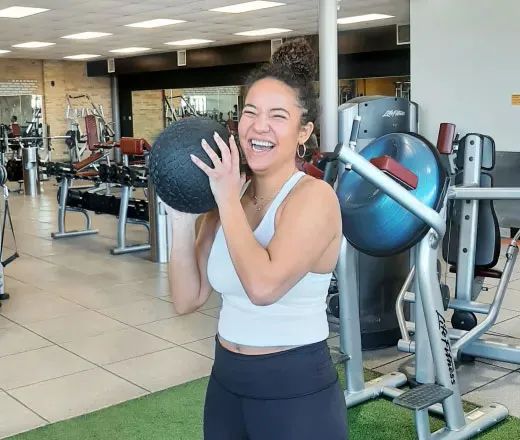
{"x":75,"y":326}
{"x":38,"y":365}
{"x":205,"y":347}
{"x":116,"y":346}
{"x":37,"y":305}
{"x":15,"y":339}
{"x":102,"y":299}
{"x":77,"y":394}
{"x":4,"y":322}
{"x":16,"y":418}
{"x":183,"y":329}
{"x":163,"y":369}
{"x":141,"y":312}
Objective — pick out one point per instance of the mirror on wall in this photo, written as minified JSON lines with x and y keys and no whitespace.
{"x":219,"y":103}
{"x":24,"y":110}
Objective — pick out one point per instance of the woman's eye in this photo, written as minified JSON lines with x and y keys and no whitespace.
{"x":279,"y":117}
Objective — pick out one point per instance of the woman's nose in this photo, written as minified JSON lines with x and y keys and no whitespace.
{"x":261,"y":123}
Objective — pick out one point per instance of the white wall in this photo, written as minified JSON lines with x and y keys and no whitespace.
{"x":465,"y":65}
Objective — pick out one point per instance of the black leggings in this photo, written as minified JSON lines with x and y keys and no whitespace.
{"x":294,"y":394}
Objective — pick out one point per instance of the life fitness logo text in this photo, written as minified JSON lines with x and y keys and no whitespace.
{"x":393,"y":113}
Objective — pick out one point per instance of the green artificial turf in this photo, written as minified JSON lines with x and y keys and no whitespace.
{"x":176,"y":414}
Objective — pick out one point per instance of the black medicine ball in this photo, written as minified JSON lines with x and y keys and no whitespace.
{"x":180,"y":183}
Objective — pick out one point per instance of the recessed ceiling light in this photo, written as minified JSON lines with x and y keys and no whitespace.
{"x":34,"y":44}
{"x":83,"y":56}
{"x":188,"y":42}
{"x":362,"y":18}
{"x":4,"y":51}
{"x":130,"y":50}
{"x":87,"y":35}
{"x":260,"y":32}
{"x":158,"y":22}
{"x":20,"y":12}
{"x":247,"y":7}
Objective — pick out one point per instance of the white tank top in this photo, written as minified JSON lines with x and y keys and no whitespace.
{"x":297,"y":318}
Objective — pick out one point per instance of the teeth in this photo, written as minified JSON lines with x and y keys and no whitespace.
{"x":262,"y":143}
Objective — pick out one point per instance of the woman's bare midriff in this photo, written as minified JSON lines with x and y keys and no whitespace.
{"x":251,"y":351}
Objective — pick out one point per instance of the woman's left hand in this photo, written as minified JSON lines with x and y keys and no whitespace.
{"x":225,"y":178}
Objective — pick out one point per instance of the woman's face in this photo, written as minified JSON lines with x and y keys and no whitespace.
{"x":270,"y":127}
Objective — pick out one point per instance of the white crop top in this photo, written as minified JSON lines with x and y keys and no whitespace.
{"x":297,"y":318}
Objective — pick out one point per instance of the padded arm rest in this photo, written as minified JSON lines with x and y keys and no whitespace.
{"x":395,"y":170}
{"x":445,"y":138}
{"x":312,"y":170}
{"x":88,"y":161}
{"x":131,"y":146}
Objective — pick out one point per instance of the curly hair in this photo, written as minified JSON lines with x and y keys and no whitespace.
{"x":294,"y":64}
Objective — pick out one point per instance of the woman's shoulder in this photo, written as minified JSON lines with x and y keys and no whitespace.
{"x":313,"y":195}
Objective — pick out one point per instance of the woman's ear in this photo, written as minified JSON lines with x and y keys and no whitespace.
{"x":305,"y":133}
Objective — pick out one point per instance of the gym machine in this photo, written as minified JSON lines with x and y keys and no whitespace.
{"x":393,"y":196}
{"x":380,"y":278}
{"x":5,"y":216}
{"x":472,"y":248}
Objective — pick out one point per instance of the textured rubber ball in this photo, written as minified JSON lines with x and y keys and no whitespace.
{"x":180,"y":183}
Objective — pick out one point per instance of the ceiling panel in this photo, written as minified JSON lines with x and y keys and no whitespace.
{"x":72,"y":16}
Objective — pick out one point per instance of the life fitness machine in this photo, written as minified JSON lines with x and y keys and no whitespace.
{"x":380,"y":278}
{"x":393,"y":197}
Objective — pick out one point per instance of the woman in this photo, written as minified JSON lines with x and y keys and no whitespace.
{"x":269,"y":250}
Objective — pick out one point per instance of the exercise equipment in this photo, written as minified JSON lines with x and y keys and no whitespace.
{"x":472,"y":248}
{"x":439,"y":391}
{"x":131,"y":211}
{"x":380,"y":277}
{"x":5,"y":217}
{"x":180,"y":183}
{"x":393,"y":228}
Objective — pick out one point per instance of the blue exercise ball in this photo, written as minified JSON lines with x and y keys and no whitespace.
{"x":373,"y":222}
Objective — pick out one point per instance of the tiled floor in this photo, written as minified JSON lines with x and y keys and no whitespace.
{"x":84,"y":329}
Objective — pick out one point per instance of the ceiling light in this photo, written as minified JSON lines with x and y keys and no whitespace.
{"x":362,"y":18}
{"x":87,"y":35}
{"x":188,"y":42}
{"x":131,"y":50}
{"x":33,"y":44}
{"x":158,"y":22}
{"x":4,"y":51}
{"x":20,"y":12}
{"x":247,"y":7}
{"x":83,"y":56}
{"x":260,"y":32}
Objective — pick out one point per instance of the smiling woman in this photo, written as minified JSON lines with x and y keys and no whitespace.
{"x":269,"y":249}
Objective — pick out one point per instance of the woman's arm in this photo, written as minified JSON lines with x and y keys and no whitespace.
{"x":308,"y":224}
{"x":187,"y":269}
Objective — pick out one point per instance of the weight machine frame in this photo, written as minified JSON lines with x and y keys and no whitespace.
{"x":439,"y":391}
{"x":469,"y":342}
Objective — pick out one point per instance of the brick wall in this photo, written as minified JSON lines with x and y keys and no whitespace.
{"x":147,"y":114}
{"x":19,"y":76}
{"x":70,"y":78}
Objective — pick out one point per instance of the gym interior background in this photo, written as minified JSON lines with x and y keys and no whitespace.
{"x":87,"y":328}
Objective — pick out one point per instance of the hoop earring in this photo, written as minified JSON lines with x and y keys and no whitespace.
{"x":301,"y":156}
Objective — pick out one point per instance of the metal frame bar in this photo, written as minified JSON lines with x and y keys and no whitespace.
{"x":122,"y":248}
{"x":63,"y":209}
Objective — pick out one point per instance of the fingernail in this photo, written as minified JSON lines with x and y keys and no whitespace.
{"x":215,"y":134}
